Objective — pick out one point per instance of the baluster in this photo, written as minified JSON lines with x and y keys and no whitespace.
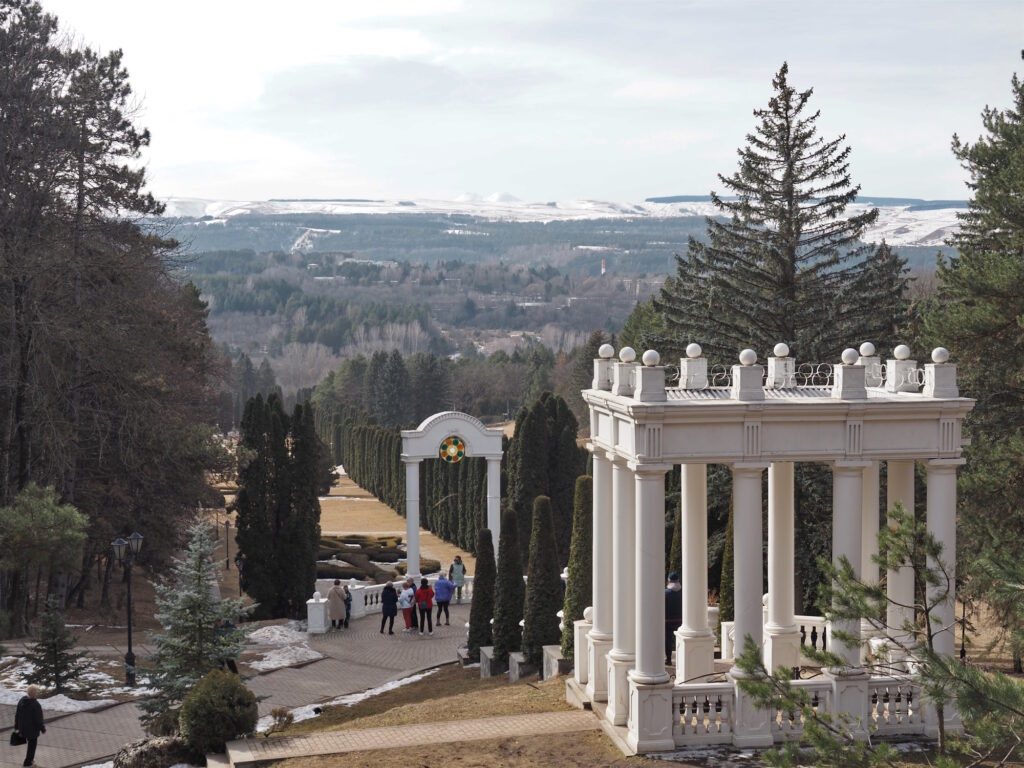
{"x":803,"y":635}
{"x":814,"y":701}
{"x":824,"y":630}
{"x":814,"y":638}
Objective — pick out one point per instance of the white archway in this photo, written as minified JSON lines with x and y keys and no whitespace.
{"x":472,"y":438}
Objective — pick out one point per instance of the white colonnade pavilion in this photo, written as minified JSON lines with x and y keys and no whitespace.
{"x":851,"y":416}
{"x":448,"y":436}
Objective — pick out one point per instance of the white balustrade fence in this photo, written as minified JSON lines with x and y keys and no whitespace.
{"x":895,"y":706}
{"x":788,"y":724}
{"x":703,"y":714}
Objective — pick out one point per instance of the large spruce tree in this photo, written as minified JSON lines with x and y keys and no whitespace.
{"x":788,"y":262}
{"x":979,"y":316}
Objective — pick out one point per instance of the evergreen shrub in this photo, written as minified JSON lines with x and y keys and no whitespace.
{"x":482,"y":609}
{"x":579,"y":590}
{"x":510,"y":592}
{"x":544,"y":596}
{"x":218,"y":709}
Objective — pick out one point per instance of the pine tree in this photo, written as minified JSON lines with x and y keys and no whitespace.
{"x":782,"y":266}
{"x":482,"y":609}
{"x":544,"y":598}
{"x":510,"y":592}
{"x":578,"y":592}
{"x":198,"y":634}
{"x":977,"y":315}
{"x":55,"y":664}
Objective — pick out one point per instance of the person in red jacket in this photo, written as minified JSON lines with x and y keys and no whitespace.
{"x":425,"y":603}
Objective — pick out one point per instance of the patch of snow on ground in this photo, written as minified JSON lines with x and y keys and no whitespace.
{"x":349,"y":700}
{"x":279,"y":634}
{"x":58,"y":703}
{"x":286,"y":656}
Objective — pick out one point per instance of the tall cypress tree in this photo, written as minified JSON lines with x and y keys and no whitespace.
{"x":510,"y":593}
{"x":578,"y":592}
{"x":782,"y":266}
{"x":482,"y":609}
{"x":544,"y":598}
{"x":530,"y":478}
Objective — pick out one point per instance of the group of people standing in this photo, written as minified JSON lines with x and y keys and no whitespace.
{"x":416,"y":604}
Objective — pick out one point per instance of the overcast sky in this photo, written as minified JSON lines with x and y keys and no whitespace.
{"x":545,"y":100}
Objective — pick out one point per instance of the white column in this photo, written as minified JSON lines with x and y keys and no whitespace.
{"x":849,"y":683}
{"x":748,"y":554}
{"x":650,"y":690}
{"x":599,"y":639}
{"x":782,"y":636}
{"x":751,"y":727}
{"x":942,"y":526}
{"x":900,"y":582}
{"x":623,"y":653}
{"x":494,"y":500}
{"x":695,"y":643}
{"x":649,"y":583}
{"x":412,"y":517}
{"x":847,"y":505}
{"x":869,"y":521}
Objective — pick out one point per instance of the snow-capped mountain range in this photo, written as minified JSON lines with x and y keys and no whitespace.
{"x":900,"y":221}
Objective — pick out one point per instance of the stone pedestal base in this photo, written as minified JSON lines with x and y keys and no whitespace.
{"x":850,"y":699}
{"x":597,"y":663}
{"x":489,"y":666}
{"x":618,"y":689}
{"x":518,"y":667}
{"x":781,"y":647}
{"x":751,"y":728}
{"x":580,"y":652}
{"x":650,"y":718}
{"x":554,"y":665}
{"x":953,"y":724}
{"x":695,"y":655}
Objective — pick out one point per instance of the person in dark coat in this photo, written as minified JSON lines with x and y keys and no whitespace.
{"x":28,"y":721}
{"x":388,"y":607}
{"x":673,"y":613}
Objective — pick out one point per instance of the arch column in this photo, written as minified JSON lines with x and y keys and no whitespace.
{"x":599,"y":639}
{"x":494,"y":500}
{"x":751,"y":723}
{"x":782,"y":636}
{"x":623,"y":653}
{"x":695,"y":643}
{"x":412,"y":516}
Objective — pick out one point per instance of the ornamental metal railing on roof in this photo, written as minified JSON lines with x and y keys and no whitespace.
{"x":805,"y":375}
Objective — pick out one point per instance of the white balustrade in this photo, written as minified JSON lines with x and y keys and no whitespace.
{"x":366,"y":597}
{"x":788,"y":724}
{"x":703,"y":714}
{"x":895,"y":706}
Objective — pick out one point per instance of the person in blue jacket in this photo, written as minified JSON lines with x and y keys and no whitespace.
{"x":388,"y":607}
{"x":443,"y":591}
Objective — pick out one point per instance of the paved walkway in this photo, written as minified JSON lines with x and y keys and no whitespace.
{"x":335,"y":742}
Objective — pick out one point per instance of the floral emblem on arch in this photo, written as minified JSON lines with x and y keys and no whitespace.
{"x":452,"y":449}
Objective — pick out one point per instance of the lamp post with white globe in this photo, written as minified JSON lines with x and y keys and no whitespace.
{"x":125,"y":550}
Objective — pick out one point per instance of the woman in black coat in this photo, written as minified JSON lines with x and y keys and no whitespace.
{"x":388,"y":607}
{"x":28,"y":721}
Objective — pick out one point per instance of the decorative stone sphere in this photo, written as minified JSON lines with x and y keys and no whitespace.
{"x":781,"y":349}
{"x":627,"y":354}
{"x":316,"y":595}
{"x":748,"y":357}
{"x":902,"y":352}
{"x":693,"y":350}
{"x":940,"y":355}
{"x":651,"y":358}
{"x":849,"y":356}
{"x":867,"y":349}
{"x":606,"y":351}
{"x":588,"y":613}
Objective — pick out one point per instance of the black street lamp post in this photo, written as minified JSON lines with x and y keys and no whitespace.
{"x":227,"y":544}
{"x":125,"y":552}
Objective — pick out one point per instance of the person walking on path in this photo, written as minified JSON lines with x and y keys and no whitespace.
{"x":28,"y":721}
{"x":348,"y":605}
{"x":443,"y":591}
{"x":673,"y":613}
{"x":425,"y":602}
{"x":457,"y":573}
{"x":407,"y":602}
{"x":388,"y":607}
{"x":336,"y":604}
